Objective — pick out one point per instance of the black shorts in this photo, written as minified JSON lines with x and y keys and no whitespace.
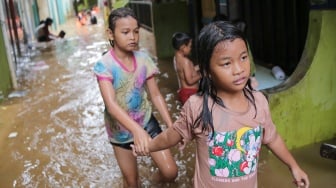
{"x":152,"y":128}
{"x":43,"y":39}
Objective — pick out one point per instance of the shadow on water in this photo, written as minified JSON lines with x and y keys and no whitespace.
{"x":53,"y":136}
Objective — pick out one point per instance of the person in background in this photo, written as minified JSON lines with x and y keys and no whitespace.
{"x":125,"y":76}
{"x":82,"y":20}
{"x":187,"y":74}
{"x":93,"y":18}
{"x":228,"y":119}
{"x":44,"y":35}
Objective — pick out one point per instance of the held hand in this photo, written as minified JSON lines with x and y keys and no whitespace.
{"x":300,"y":178}
{"x":133,"y":150}
{"x":138,"y":152}
{"x":141,"y":141}
{"x":135,"y":153}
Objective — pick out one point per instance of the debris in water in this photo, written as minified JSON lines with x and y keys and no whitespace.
{"x":40,"y":65}
{"x":165,"y":75}
{"x":328,"y":151}
{"x":12,"y":135}
{"x":17,"y":94}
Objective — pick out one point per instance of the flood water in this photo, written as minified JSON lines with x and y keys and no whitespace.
{"x":52,"y":133}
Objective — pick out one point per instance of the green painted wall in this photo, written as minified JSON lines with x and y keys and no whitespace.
{"x":306,"y":112}
{"x":168,"y":18}
{"x":5,"y":77}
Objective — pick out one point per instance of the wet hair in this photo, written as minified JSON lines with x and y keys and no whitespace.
{"x":241,"y":24}
{"x":49,"y":21}
{"x":220,"y":17}
{"x":117,"y":14}
{"x":179,"y":39}
{"x":211,"y":35}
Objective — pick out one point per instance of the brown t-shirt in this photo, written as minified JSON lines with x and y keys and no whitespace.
{"x":230,"y":157}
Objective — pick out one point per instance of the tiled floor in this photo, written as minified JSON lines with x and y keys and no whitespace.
{"x":265,"y":78}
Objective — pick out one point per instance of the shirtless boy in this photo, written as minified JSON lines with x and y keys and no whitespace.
{"x":187,"y":74}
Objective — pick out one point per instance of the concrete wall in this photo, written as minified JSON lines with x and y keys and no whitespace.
{"x":305,"y":113}
{"x":43,"y":9}
{"x":5,"y":77}
{"x":169,"y":18}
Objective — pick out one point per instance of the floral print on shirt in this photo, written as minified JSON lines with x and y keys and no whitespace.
{"x":234,"y":153}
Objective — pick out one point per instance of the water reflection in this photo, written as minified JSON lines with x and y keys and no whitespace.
{"x":60,"y":140}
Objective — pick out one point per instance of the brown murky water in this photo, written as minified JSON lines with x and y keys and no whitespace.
{"x":53,"y":136}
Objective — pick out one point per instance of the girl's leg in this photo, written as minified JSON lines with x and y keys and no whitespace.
{"x":166,"y":164}
{"x":128,"y":166}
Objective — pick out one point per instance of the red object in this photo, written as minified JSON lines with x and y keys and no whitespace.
{"x":229,"y":143}
{"x":218,"y":151}
{"x":105,"y":3}
{"x":243,"y":165}
{"x":185,"y":93}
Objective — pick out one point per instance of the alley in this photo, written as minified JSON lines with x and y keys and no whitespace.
{"x":53,"y":136}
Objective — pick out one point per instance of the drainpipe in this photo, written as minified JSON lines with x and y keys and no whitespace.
{"x":28,"y":19}
{"x":10,"y":29}
{"x":12,"y":14}
{"x":7,"y":46}
{"x":195,"y":11}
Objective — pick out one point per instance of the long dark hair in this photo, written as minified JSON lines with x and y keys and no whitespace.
{"x":209,"y":37}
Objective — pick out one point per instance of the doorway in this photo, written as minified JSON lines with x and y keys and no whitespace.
{"x":276,"y":30}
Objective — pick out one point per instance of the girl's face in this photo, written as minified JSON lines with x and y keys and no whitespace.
{"x":230,"y":66}
{"x":125,"y":34}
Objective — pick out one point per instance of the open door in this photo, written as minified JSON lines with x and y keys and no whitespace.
{"x":276,"y":30}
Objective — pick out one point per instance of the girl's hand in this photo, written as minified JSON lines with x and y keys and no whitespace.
{"x":137,"y":153}
{"x":141,"y":142}
{"x":300,"y":178}
{"x":133,"y":150}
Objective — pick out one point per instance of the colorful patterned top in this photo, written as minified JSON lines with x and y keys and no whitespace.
{"x":230,"y":157}
{"x":129,"y":86}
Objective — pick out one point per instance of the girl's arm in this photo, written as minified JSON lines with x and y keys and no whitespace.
{"x":279,"y":148}
{"x":168,"y":138}
{"x":141,"y":138}
{"x":158,"y":100}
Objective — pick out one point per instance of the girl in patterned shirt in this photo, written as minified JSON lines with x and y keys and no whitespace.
{"x":228,"y":119}
{"x":123,"y":75}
